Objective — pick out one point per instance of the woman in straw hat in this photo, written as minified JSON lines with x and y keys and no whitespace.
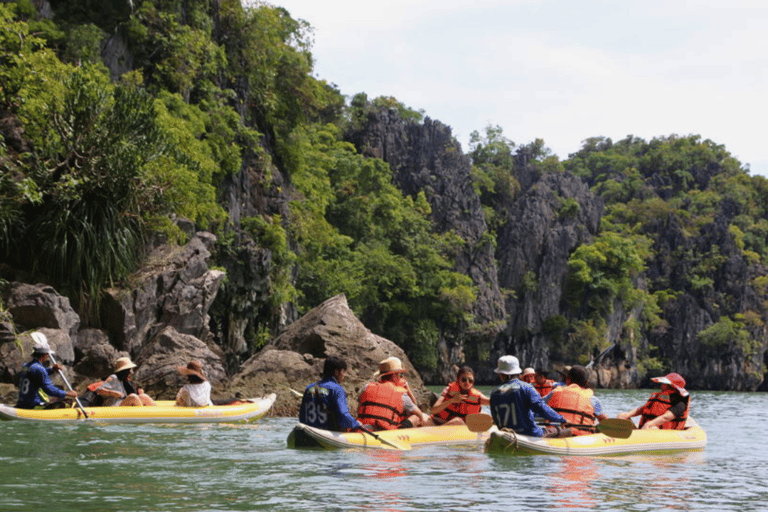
{"x":119,"y":389}
{"x":197,"y":391}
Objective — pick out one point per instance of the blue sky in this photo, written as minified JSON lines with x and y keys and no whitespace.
{"x":557,"y":70}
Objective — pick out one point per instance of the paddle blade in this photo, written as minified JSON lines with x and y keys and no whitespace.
{"x":615,"y":427}
{"x":479,"y":422}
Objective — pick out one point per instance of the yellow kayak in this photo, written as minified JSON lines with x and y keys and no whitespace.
{"x":692,"y":438}
{"x":304,"y":436}
{"x":164,"y":412}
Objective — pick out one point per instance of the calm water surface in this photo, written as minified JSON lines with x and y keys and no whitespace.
{"x":248,"y":467}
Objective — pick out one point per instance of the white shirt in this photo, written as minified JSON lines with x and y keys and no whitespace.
{"x":195,"y":395}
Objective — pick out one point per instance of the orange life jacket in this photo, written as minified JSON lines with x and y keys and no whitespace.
{"x":573,"y":403}
{"x":470,"y":403}
{"x":544,"y":388}
{"x":658,"y":404}
{"x":381,"y":405}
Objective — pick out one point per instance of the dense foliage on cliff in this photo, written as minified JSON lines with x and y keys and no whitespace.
{"x":118,"y":119}
{"x":90,"y":165}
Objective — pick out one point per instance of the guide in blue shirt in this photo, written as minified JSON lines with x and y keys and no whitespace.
{"x":324,"y":404}
{"x":515,"y":403}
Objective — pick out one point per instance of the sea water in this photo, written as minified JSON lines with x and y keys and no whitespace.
{"x":91,"y":467}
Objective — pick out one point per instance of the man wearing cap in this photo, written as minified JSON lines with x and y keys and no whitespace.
{"x":197,"y":391}
{"x":667,"y":409}
{"x":514,"y":403}
{"x":34,"y":381}
{"x":388,"y":403}
{"x":324,"y":404}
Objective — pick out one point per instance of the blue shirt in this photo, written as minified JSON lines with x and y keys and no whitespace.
{"x":34,"y":378}
{"x":324,"y":405}
{"x":513,"y":405}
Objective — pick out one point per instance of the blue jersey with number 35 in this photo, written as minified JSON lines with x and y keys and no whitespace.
{"x":324,"y":405}
{"x":513,"y":405}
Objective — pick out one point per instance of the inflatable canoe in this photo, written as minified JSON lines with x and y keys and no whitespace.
{"x":692,"y":438}
{"x":164,"y":412}
{"x":304,"y":436}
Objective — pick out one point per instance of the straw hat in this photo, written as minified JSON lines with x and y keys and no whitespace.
{"x":192,"y":368}
{"x":674,"y":380}
{"x":124,"y":363}
{"x":529,"y":371}
{"x":508,"y":365}
{"x":390,"y":365}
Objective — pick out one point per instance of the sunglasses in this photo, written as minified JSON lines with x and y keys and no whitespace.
{"x":465,"y":379}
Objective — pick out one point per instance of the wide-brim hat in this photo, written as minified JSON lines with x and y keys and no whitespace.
{"x":192,"y":368}
{"x":124,"y":363}
{"x":508,"y":365}
{"x":390,"y":365}
{"x":675,"y":380}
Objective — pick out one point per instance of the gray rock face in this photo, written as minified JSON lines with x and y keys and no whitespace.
{"x":175,"y":289}
{"x":425,"y":157}
{"x":534,"y":246}
{"x":38,"y":305}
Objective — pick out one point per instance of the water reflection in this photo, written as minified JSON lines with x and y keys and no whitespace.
{"x":570,"y":485}
{"x":385,"y":464}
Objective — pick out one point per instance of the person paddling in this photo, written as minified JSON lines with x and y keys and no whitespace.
{"x":458,"y":399}
{"x":35,"y":384}
{"x":324,"y":403}
{"x":667,"y":409}
{"x":514,"y":403}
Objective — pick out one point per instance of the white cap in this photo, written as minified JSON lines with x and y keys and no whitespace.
{"x":508,"y":365}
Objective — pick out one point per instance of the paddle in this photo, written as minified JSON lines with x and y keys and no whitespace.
{"x":43,"y":341}
{"x":612,"y":427}
{"x":616,"y":427}
{"x":385,"y":441}
{"x":479,"y":422}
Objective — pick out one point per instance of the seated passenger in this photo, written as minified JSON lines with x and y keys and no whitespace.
{"x":576,"y":402}
{"x":387,"y":404}
{"x":529,"y":375}
{"x":667,"y":409}
{"x":543,"y":384}
{"x":458,"y":399}
{"x":119,"y":389}
{"x":197,"y":392}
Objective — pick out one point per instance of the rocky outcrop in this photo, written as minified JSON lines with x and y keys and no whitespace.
{"x":41,"y":306}
{"x":296,"y":357}
{"x":175,"y":288}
